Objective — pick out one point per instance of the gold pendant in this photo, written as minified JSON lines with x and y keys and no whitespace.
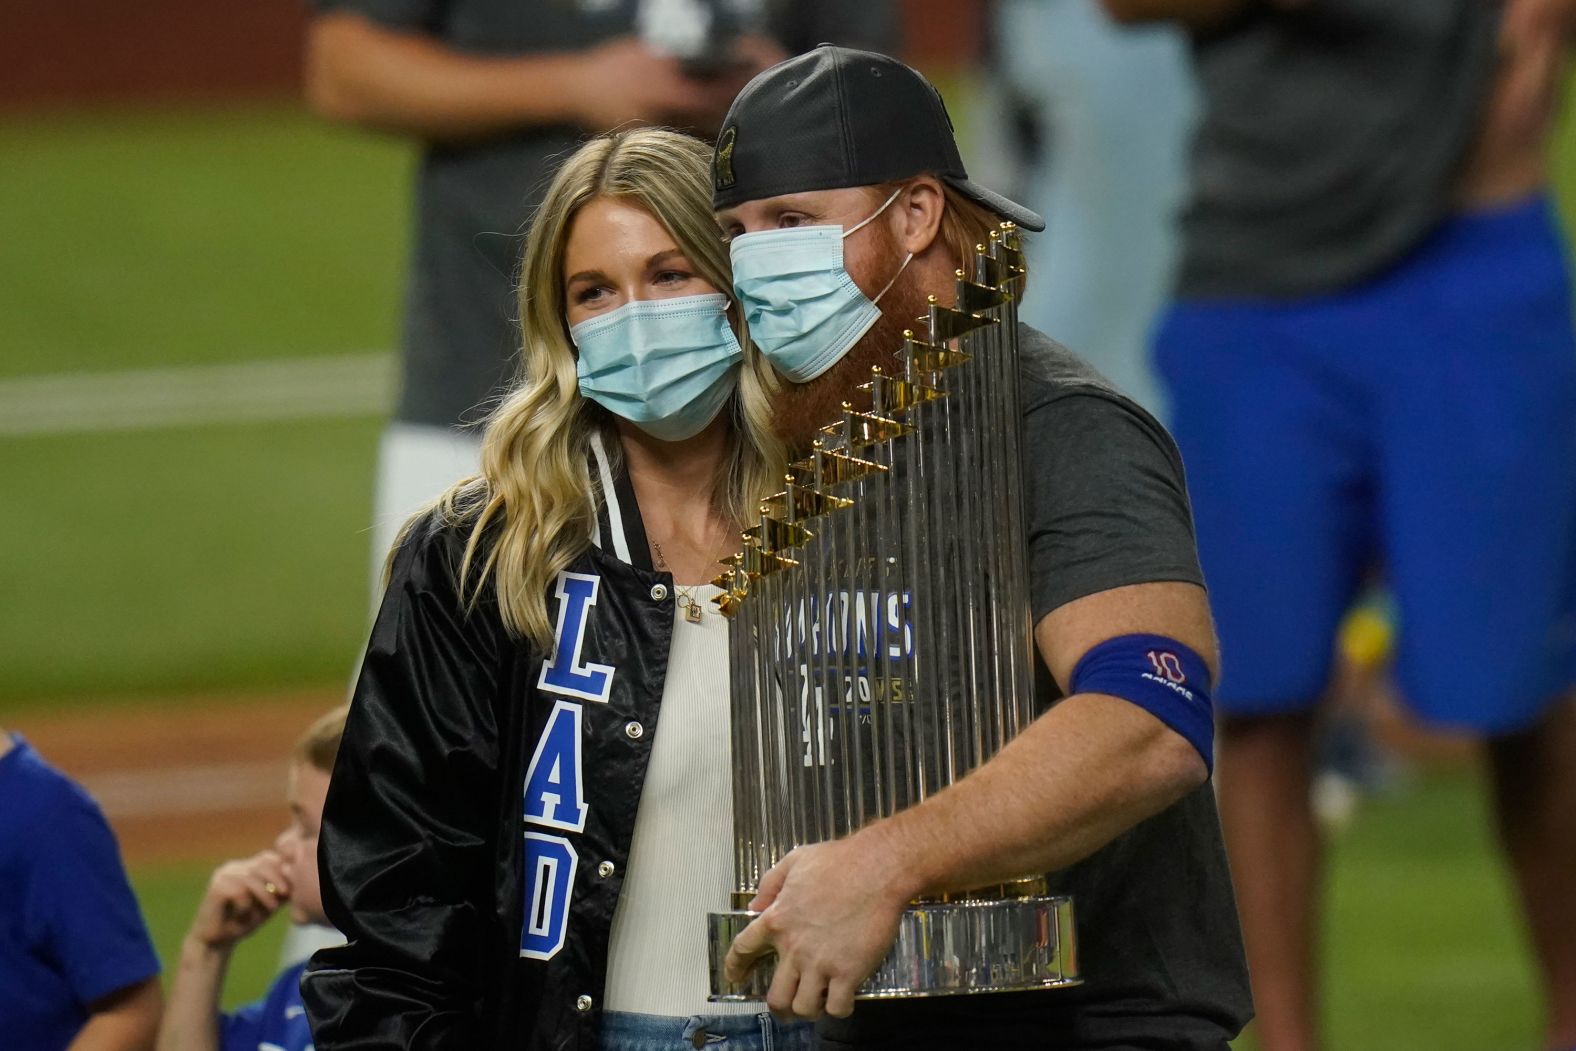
{"x":692,"y":611}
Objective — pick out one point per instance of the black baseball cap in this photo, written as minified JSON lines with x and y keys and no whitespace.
{"x":836,"y":117}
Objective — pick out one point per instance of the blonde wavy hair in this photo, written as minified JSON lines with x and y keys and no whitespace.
{"x":536,"y":500}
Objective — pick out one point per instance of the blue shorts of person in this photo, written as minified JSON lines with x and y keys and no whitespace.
{"x":1423,"y":422}
{"x":628,"y":1031}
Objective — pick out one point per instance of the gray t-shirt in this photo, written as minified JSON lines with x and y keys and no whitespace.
{"x":460,"y":338}
{"x":1332,"y":139}
{"x":1159,"y":946}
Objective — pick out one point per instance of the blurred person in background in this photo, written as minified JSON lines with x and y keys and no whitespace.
{"x":1110,"y":109}
{"x":1371,"y":359}
{"x":77,"y":969}
{"x":243,"y":895}
{"x":497,"y":91}
{"x":520,"y":852}
{"x":1105,"y":114}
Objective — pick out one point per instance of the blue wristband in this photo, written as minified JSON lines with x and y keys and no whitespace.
{"x":1160,"y":675}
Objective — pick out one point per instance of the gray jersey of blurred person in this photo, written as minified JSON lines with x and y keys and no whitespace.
{"x":495,"y":91}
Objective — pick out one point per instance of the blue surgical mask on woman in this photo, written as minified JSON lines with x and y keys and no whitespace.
{"x":803,"y":309}
{"x":666,"y":365}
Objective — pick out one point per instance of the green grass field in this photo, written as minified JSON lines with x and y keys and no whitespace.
{"x":1425,"y":951}
{"x":167,"y":560}
{"x":196,"y":237}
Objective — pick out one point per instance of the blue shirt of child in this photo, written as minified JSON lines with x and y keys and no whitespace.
{"x":277,"y":1022}
{"x":70,"y":930}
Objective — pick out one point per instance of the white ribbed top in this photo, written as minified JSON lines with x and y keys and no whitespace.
{"x":681,"y":859}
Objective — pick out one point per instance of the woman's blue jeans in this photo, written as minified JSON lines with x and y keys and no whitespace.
{"x":627,"y":1031}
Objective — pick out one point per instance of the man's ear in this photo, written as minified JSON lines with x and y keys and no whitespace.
{"x":919,"y":209}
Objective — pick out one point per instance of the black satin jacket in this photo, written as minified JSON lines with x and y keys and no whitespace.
{"x":426,"y":835}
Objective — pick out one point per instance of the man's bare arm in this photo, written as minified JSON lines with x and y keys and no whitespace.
{"x":1080,"y":775}
{"x":1510,"y":158}
{"x":127,"y":1020}
{"x":361,"y":72}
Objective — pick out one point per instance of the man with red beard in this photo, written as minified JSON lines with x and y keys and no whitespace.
{"x":840,"y":184}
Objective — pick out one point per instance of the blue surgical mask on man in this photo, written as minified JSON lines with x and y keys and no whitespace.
{"x":666,"y":365}
{"x":803,"y":309}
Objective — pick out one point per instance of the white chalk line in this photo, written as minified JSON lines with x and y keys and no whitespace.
{"x":184,"y":790}
{"x":342,"y":386}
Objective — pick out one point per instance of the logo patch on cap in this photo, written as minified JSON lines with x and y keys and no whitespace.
{"x":722,"y":164}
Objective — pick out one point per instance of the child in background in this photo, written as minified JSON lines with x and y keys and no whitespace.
{"x":241,"y":897}
{"x":77,"y":970}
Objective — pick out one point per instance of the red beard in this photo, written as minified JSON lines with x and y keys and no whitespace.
{"x":802,"y":409}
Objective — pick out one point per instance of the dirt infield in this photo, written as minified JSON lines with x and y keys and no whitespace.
{"x":188,"y":779}
{"x":99,"y":51}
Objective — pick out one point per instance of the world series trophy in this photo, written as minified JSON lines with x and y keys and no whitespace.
{"x":881,"y":643}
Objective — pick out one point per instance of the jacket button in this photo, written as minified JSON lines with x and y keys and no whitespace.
{"x":659,"y":592}
{"x":582,"y":1002}
{"x":633,"y":730}
{"x":605,"y":869}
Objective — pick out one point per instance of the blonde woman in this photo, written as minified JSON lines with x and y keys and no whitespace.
{"x":527,"y":822}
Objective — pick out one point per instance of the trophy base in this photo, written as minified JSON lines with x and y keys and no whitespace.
{"x":941,"y":949}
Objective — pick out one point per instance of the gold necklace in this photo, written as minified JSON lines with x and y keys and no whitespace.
{"x":686,"y":595}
